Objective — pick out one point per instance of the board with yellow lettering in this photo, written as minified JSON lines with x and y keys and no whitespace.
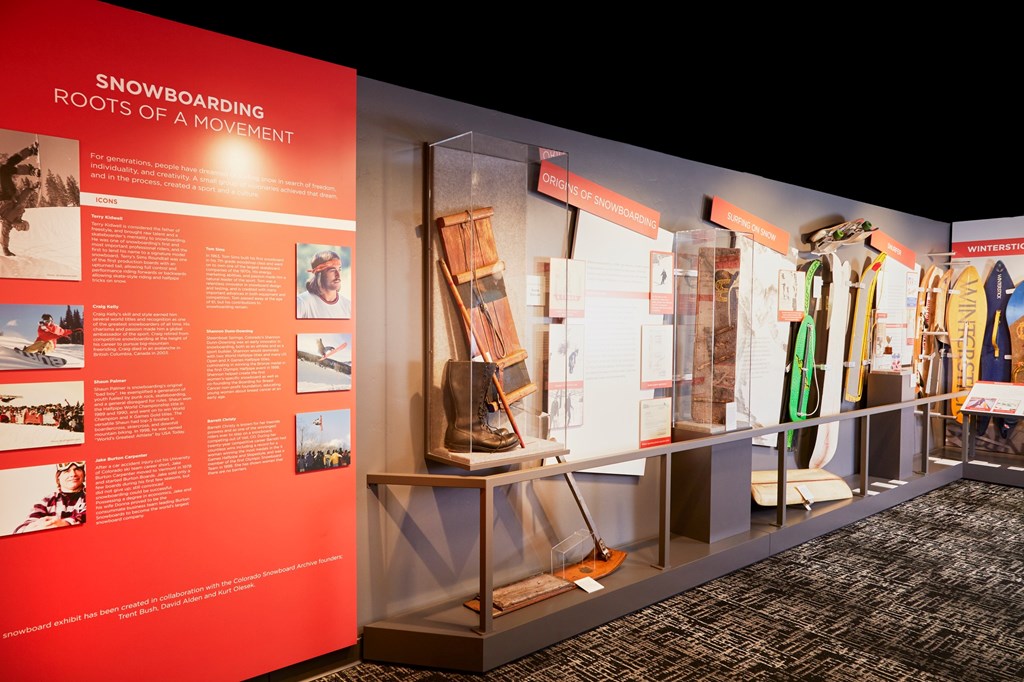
{"x":966,"y":310}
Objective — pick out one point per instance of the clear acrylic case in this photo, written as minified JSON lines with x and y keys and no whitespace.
{"x":491,"y":238}
{"x":713,"y":301}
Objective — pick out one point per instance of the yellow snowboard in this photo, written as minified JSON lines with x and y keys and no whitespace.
{"x":966,"y":313}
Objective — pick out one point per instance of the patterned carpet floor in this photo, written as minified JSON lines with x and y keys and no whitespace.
{"x":930,"y":590}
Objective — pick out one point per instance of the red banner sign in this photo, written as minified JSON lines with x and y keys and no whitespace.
{"x":892,"y":248}
{"x":996,"y":248}
{"x":733,"y":218}
{"x":582,"y":193}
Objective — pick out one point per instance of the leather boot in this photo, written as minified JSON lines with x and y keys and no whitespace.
{"x":468,"y":386}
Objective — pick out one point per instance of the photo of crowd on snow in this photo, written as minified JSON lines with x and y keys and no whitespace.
{"x":40,"y":415}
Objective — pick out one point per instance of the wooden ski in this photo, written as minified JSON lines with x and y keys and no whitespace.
{"x":919,"y":327}
{"x":929,"y":343}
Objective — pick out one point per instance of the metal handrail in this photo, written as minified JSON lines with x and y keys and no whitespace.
{"x":486,"y":484}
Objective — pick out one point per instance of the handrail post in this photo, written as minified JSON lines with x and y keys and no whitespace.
{"x":865,"y":435}
{"x":780,"y":481}
{"x":665,"y":518}
{"x":486,"y":559}
{"x":926,"y":429}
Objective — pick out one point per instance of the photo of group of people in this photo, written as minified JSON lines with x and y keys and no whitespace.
{"x":323,"y":440}
{"x":41,"y":415}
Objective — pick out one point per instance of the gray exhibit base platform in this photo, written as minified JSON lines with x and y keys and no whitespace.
{"x":989,"y":467}
{"x":446,"y":636}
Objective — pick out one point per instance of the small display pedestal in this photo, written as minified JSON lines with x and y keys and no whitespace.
{"x":710,"y":489}
{"x":891,"y":437}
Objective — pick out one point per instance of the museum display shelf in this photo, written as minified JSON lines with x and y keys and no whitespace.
{"x":450,"y":636}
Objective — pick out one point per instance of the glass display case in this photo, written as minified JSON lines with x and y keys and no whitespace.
{"x":493,"y":301}
{"x":713,"y":304}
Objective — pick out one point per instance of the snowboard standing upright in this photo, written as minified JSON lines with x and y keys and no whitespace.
{"x":860,"y":337}
{"x":996,"y":350}
{"x":826,"y":437}
{"x":965,"y":317}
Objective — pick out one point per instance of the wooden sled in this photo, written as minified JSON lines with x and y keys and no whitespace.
{"x":601,"y":561}
{"x":822,"y":486}
{"x":543,"y":586}
{"x":475,"y":277}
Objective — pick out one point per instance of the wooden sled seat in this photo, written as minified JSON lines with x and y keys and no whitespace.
{"x":822,"y":485}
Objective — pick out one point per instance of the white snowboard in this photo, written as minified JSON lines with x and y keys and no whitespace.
{"x":827,"y":436}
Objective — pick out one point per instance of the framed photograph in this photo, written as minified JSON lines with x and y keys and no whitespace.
{"x":323,"y":282}
{"x":42,"y":497}
{"x":42,"y":415}
{"x":41,"y":336}
{"x":323,"y":440}
{"x":323,"y":362}
{"x":40,"y":199}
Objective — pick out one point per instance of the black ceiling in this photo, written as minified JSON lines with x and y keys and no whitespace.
{"x":918,"y":139}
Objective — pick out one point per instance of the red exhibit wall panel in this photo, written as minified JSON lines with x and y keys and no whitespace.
{"x":177,"y":361}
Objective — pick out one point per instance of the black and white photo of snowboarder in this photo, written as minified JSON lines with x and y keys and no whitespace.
{"x":323,"y":362}
{"x":661,"y":272}
{"x":41,"y":336}
{"x":40,"y":223}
